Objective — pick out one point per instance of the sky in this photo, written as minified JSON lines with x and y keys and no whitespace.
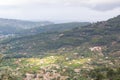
{"x":60,"y":10}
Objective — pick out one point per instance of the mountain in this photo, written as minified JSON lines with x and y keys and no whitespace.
{"x":5,"y":30}
{"x":11,"y":26}
{"x":90,"y":52}
{"x":54,"y":28}
{"x":105,"y":34}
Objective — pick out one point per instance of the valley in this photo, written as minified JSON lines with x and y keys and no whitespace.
{"x":66,"y":51}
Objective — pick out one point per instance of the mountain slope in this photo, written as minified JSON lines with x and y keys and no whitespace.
{"x":10,"y":26}
{"x":105,"y":34}
{"x":54,"y":28}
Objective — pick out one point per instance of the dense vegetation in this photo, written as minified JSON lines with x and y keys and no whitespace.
{"x":54,"y":28}
{"x":12,"y":26}
{"x":90,"y":52}
{"x":105,"y":34}
{"x":67,"y":66}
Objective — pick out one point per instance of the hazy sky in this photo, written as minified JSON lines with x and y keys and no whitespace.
{"x":60,"y":10}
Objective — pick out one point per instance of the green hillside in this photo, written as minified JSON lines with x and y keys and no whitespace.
{"x":53,"y":28}
{"x":104,"y":34}
{"x":83,"y":53}
{"x":12,"y":26}
{"x":22,"y":27}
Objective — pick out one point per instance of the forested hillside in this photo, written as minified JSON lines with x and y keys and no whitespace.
{"x":91,"y":52}
{"x":105,"y":34}
{"x":61,"y":27}
{"x":11,"y":26}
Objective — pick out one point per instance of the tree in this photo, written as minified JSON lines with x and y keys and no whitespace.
{"x":111,"y":74}
{"x":1,"y":57}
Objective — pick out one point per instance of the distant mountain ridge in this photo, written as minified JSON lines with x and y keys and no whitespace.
{"x":61,"y":27}
{"x":11,"y":26}
{"x":14,"y":26}
{"x":105,"y":34}
{"x":23,"y":23}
